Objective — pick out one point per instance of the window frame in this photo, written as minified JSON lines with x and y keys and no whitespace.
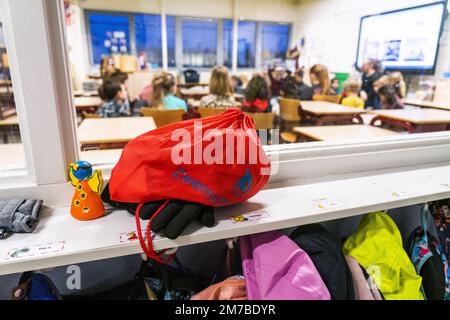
{"x":302,"y":163}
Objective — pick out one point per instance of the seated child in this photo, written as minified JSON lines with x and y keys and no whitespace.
{"x":389,"y":98}
{"x":295,"y":88}
{"x":352,"y":87}
{"x":256,"y":95}
{"x":114,"y":95}
{"x":334,"y":87}
{"x":220,"y":90}
{"x":163,"y":93}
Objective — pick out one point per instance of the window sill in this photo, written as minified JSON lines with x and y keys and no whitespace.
{"x":277,"y":207}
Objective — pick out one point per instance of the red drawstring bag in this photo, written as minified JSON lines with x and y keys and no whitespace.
{"x":215,"y":161}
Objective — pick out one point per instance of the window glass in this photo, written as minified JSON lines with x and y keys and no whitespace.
{"x":227,"y":42}
{"x":109,"y":34}
{"x":246,"y":44}
{"x":148,"y":38}
{"x":11,"y":151}
{"x":170,"y":23}
{"x":199,"y":43}
{"x":275,"y":41}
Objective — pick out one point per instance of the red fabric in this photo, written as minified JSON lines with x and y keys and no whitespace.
{"x":146,"y":172}
{"x":256,"y":105}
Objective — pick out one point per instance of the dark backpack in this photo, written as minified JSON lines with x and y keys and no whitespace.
{"x":325,"y":251}
{"x":430,"y":261}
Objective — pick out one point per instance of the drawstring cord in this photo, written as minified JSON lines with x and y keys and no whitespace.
{"x":149,"y":251}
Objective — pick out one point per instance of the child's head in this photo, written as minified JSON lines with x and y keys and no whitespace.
{"x":163,"y":84}
{"x":352,"y":86}
{"x":257,"y":88}
{"x":220,"y":82}
{"x":298,"y":75}
{"x":318,"y":75}
{"x":334,"y":84}
{"x":119,"y":76}
{"x":381,"y":82}
{"x":236,"y":81}
{"x":388,"y":95}
{"x":111,"y":90}
{"x":396,"y":79}
{"x":279,"y":73}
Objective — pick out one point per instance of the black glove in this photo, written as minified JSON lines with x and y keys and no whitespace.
{"x":173,"y":218}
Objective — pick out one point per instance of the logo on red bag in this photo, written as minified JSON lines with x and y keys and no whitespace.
{"x":244,"y":184}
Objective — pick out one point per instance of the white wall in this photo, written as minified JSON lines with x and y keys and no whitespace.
{"x":331,"y":27}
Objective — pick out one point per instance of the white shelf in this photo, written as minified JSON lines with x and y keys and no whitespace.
{"x":281,"y":207}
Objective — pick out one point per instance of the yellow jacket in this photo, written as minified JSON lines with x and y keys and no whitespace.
{"x":354,"y":102}
{"x":377,"y":246}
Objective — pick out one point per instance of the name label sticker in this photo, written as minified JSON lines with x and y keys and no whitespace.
{"x":250,"y":217}
{"x":35,"y":250}
{"x":327,"y":204}
{"x":131,"y":236}
{"x":399,"y":194}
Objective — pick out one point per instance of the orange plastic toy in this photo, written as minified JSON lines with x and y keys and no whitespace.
{"x":86,"y":202}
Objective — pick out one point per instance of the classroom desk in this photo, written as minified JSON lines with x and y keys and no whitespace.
{"x":89,"y":104}
{"x":8,"y":124}
{"x":112,"y":133}
{"x":326,"y":113}
{"x":345,"y":132}
{"x":427,"y":104}
{"x":414,"y":120}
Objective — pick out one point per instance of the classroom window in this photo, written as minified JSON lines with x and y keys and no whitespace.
{"x":148,"y":38}
{"x":170,"y":24}
{"x":246,"y":44}
{"x":275,"y":41}
{"x":11,"y":151}
{"x":199,"y":43}
{"x":109,"y":34}
{"x":227,"y":32}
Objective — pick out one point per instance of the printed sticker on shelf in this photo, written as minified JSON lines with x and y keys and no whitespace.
{"x":446,"y":185}
{"x":398,"y":194}
{"x":131,"y":236}
{"x":250,"y":217}
{"x":35,"y":250}
{"x":327,"y":204}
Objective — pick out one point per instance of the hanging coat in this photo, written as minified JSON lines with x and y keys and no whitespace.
{"x":377,"y":246}
{"x":325,"y":251}
{"x":275,"y":268}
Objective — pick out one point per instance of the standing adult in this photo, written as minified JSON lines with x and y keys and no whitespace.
{"x":372,"y":70}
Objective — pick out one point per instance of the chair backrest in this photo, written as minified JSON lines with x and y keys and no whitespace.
{"x":87,"y":115}
{"x":208,"y":112}
{"x":327,"y":98}
{"x":262,"y":120}
{"x":289,"y":109}
{"x":191,"y":76}
{"x":163,"y":117}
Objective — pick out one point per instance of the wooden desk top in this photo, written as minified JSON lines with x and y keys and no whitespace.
{"x":10,"y":121}
{"x":327,"y":108}
{"x":427,"y":104}
{"x":416,"y":116}
{"x":83,"y":102}
{"x":110,"y":130}
{"x":345,"y":132}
